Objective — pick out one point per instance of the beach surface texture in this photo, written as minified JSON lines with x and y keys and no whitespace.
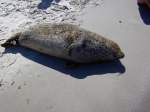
{"x":34,"y":82}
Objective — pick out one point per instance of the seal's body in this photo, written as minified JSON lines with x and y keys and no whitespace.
{"x":68,"y":42}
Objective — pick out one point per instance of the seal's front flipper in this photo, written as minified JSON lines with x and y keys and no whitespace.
{"x":70,"y":64}
{"x":13,"y":41}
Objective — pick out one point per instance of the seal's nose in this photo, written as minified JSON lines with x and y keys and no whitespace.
{"x":121,"y":54}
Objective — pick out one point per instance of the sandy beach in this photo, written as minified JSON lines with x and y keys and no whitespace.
{"x":34,"y":82}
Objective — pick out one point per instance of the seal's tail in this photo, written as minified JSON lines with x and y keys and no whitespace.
{"x":2,"y":39}
{"x":13,"y":41}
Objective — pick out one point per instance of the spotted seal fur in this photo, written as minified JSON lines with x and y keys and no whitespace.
{"x":68,"y":42}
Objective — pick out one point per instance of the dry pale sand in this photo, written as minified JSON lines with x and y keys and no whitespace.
{"x":32,"y":82}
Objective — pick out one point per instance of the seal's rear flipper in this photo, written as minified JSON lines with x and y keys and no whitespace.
{"x":13,"y":41}
{"x":9,"y":43}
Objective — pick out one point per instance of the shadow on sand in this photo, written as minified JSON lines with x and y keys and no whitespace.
{"x":144,"y":13}
{"x":80,"y":72}
{"x":46,"y":3}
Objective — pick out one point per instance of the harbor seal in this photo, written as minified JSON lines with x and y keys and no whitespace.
{"x":67,"y":41}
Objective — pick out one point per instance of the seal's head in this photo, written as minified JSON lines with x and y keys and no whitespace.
{"x":116,"y":51}
{"x":110,"y":50}
{"x":13,"y":41}
{"x":95,"y":50}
